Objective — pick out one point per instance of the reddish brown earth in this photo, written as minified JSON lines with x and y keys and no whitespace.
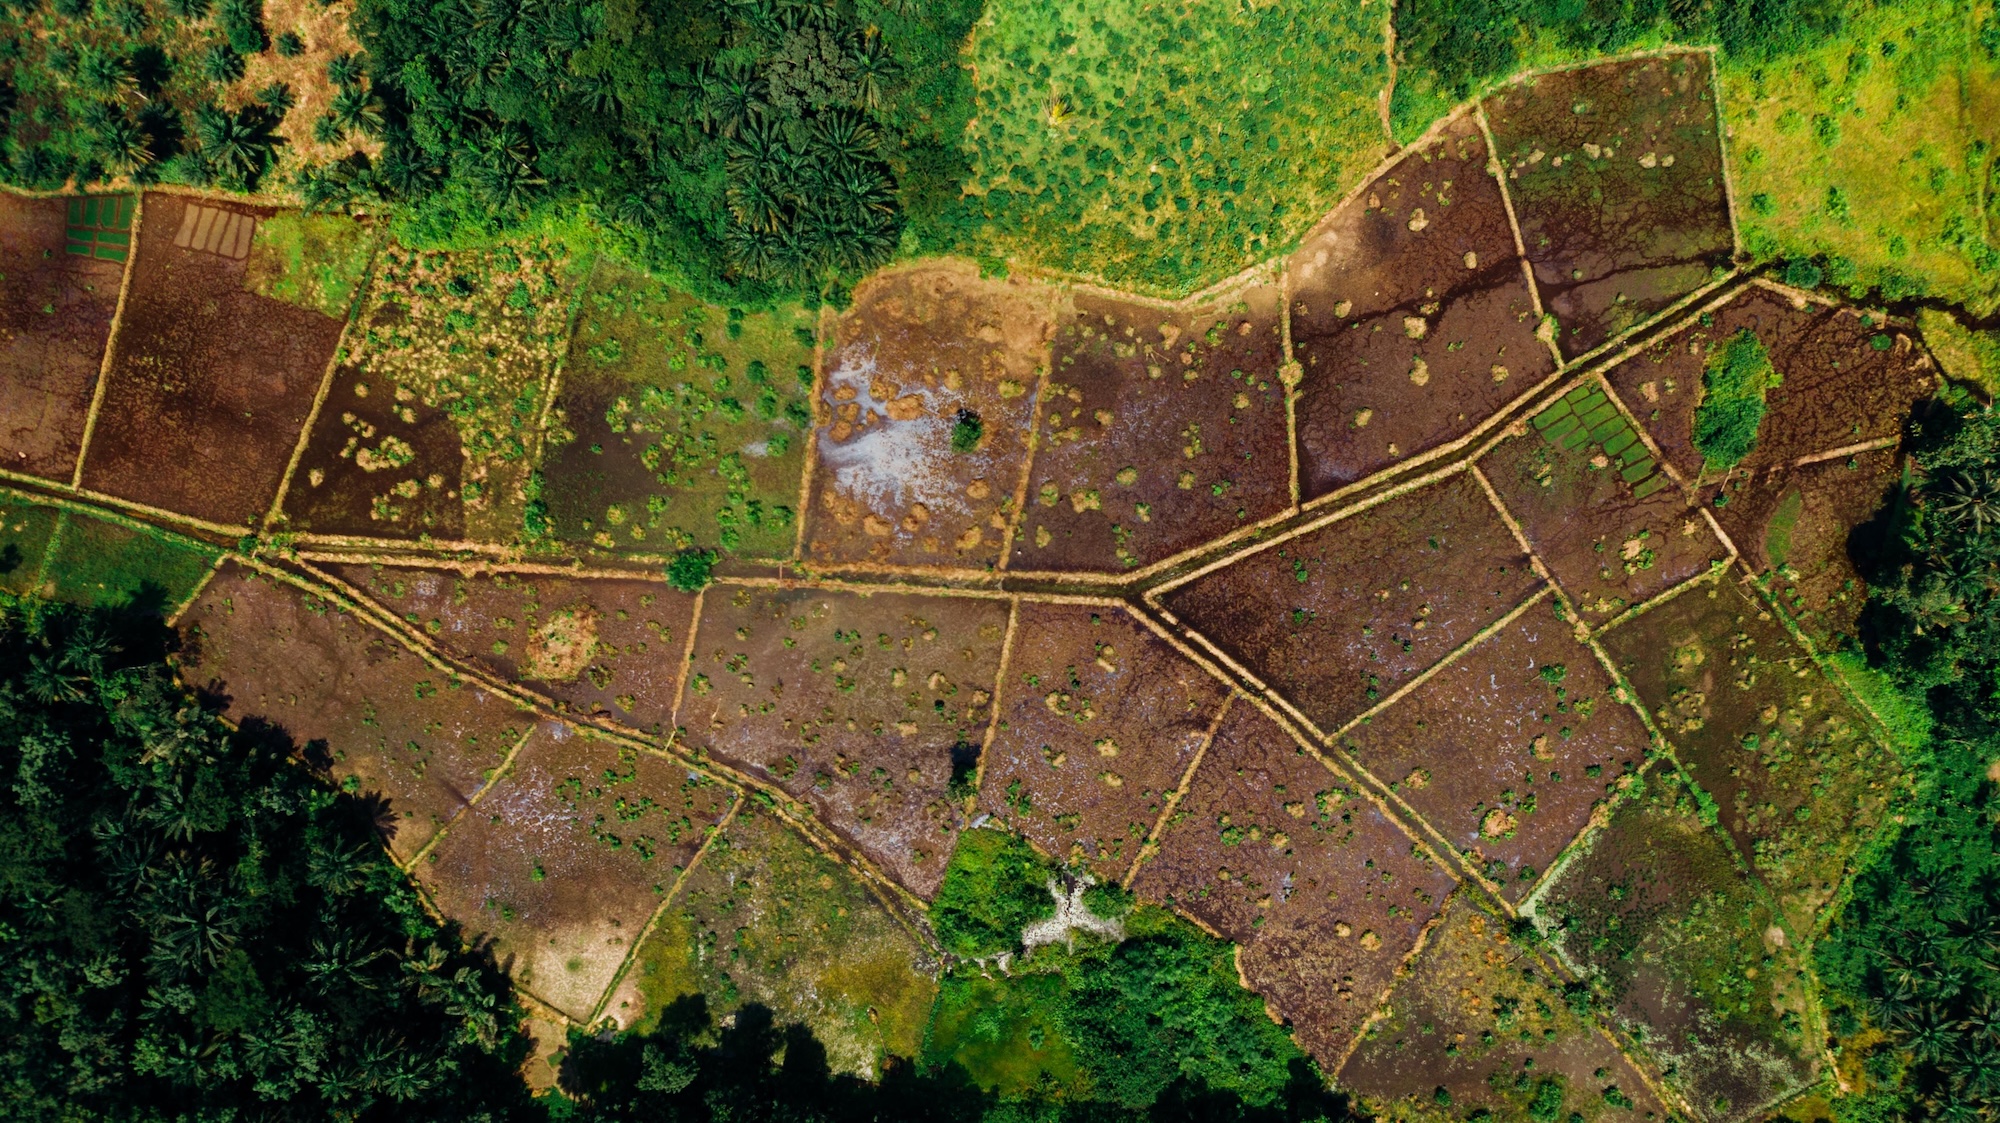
{"x":1410,"y":315}
{"x":562,"y":863}
{"x":1339,"y":617}
{"x":54,"y":321}
{"x":1509,"y":750}
{"x":334,"y":493}
{"x":1616,"y":175}
{"x":918,"y":347}
{"x":1160,"y":431}
{"x":210,"y":384}
{"x":603,"y":647}
{"x":421,"y":741}
{"x":852,"y":702}
{"x":1279,"y":853}
{"x":1099,"y":720}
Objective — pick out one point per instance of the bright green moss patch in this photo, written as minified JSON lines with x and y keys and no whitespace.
{"x":312,"y":260}
{"x":106,"y":564}
{"x":1005,"y":1034}
{"x":1738,"y":375}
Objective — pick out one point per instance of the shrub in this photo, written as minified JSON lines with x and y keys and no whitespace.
{"x":966,"y":429}
{"x":221,"y":64}
{"x":242,"y":23}
{"x":994,"y":886}
{"x":1803,"y":274}
{"x":691,"y":569}
{"x":291,"y":45}
{"x":1738,"y":375}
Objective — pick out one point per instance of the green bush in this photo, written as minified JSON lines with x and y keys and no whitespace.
{"x":966,"y":430}
{"x":691,"y":570}
{"x":1736,"y":378}
{"x":994,"y":886}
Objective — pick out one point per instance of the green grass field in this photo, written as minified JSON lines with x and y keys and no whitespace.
{"x":107,"y":565}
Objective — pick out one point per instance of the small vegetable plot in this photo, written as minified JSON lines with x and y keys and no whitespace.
{"x":1410,"y":315}
{"x":1679,"y":947}
{"x":1611,"y":527}
{"x":421,"y":741}
{"x":1509,"y":750}
{"x":1337,"y":618}
{"x":602,"y":647}
{"x":1131,"y":386}
{"x":1275,"y":851}
{"x":1796,"y":777}
{"x":53,"y":326}
{"x":926,"y":409}
{"x":1477,"y":1024}
{"x":210,"y":383}
{"x":1616,"y":176}
{"x":1099,"y":721}
{"x":563,"y":862}
{"x":678,"y":423}
{"x":111,"y":565}
{"x":862,"y":705}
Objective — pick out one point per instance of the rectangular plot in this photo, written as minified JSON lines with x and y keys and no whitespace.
{"x":1552,"y":414}
{"x":54,"y":324}
{"x":105,"y":564}
{"x":25,"y":531}
{"x":1623,"y":439}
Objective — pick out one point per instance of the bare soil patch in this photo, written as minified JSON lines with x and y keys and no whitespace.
{"x":1339,"y":617}
{"x":923,"y":355}
{"x":565,"y":860}
{"x":1099,"y":721}
{"x":211,"y":383}
{"x":1510,"y":749}
{"x":1131,"y":386}
{"x":393,"y":725}
{"x":334,"y":493}
{"x":53,"y":326}
{"x":1616,"y":176}
{"x":854,"y":703}
{"x":1277,"y":852}
{"x":1410,"y":315}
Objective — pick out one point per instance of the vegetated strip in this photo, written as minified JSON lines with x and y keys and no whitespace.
{"x":480,"y":567}
{"x":821,"y":331}
{"x":110,"y":512}
{"x":499,"y":772}
{"x":552,"y":379}
{"x":110,"y":342}
{"x":361,"y":286}
{"x":1288,"y":374}
{"x":1381,"y":1009}
{"x":1174,"y":797}
{"x":1020,"y":493}
{"x":1722,"y":148}
{"x":999,"y":695}
{"x":1847,"y":450}
{"x":1707,"y":577}
{"x":1514,"y":528}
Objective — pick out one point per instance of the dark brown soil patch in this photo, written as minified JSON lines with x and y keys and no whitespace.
{"x":1277,"y":852}
{"x":1616,"y":176}
{"x":1133,"y":385}
{"x":211,"y":383}
{"x":1410,"y":315}
{"x":336,"y":491}
{"x":853,"y":703}
{"x":1339,"y":617}
{"x":565,"y":860}
{"x":53,"y":325}
{"x":1098,"y":723}
{"x":918,"y":357}
{"x":394,"y":726}
{"x":1508,"y":750}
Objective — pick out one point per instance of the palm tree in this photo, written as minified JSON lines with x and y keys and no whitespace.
{"x":237,"y":144}
{"x":732,"y":97}
{"x":343,"y":70}
{"x":124,"y":146}
{"x":358,"y":109}
{"x":874,"y":69}
{"x":1969,"y":501}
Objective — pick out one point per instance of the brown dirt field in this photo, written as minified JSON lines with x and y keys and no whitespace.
{"x":1275,"y":851}
{"x":853,"y":703}
{"x":1795,"y":523}
{"x":563,"y":862}
{"x":1341,"y":616}
{"x":1410,"y":315}
{"x":1837,"y":389}
{"x":393,"y":725}
{"x":53,"y":325}
{"x":1616,"y":176}
{"x":1131,"y":384}
{"x":1609,"y":548}
{"x":211,"y":383}
{"x":1800,"y":782}
{"x":331,"y":494}
{"x":1481,"y":1020}
{"x":1508,"y":750}
{"x":1099,"y":720}
{"x":1683,"y":953}
{"x":917,"y":347}
{"x":602,"y":647}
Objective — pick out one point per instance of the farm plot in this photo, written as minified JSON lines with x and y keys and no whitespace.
{"x":1488,"y":1027}
{"x":1132,"y":383}
{"x":1683,"y":953}
{"x":1410,"y":315}
{"x":431,"y":425}
{"x":1509,"y":750}
{"x":1611,"y":527}
{"x":679,"y":423}
{"x":1275,"y":851}
{"x":1339,"y":617}
{"x":25,"y":532}
{"x":767,"y":919}
{"x":53,"y":325}
{"x":1099,"y":721}
{"x":1798,"y":780}
{"x":602,"y":647}
{"x":106,"y":564}
{"x":927,"y":406}
{"x":1845,"y":379}
{"x":391,"y":724}
{"x":858,"y":704}
{"x":1616,"y":176}
{"x":209,"y":383}
{"x":568,"y":855}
